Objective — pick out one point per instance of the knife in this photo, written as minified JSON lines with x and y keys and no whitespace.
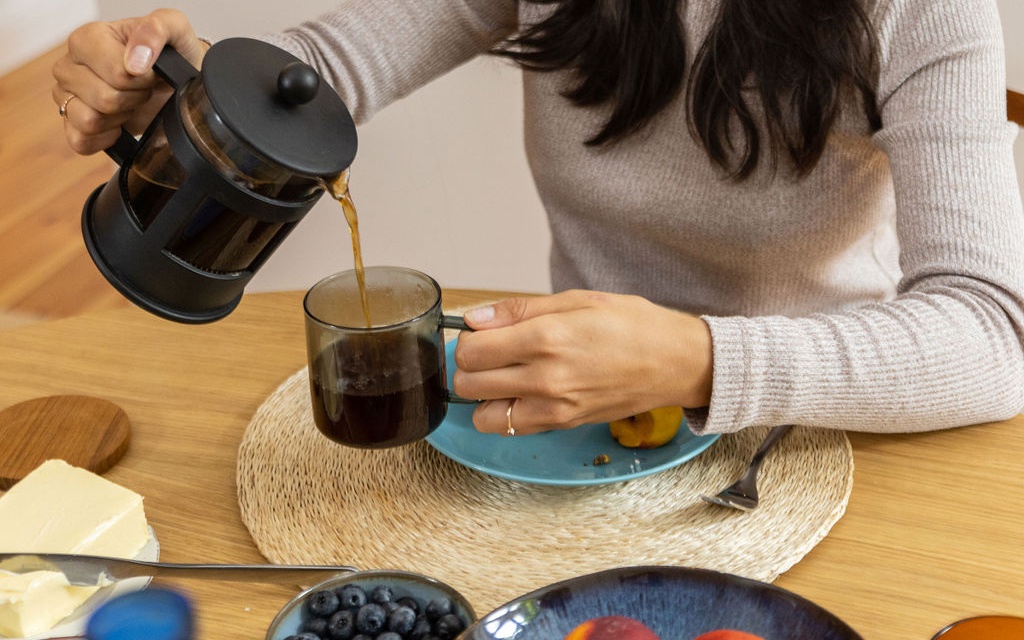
{"x":93,"y":570}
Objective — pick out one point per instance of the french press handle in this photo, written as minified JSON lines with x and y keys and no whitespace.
{"x":176,"y":70}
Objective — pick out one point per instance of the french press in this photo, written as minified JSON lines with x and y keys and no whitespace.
{"x":236,"y":158}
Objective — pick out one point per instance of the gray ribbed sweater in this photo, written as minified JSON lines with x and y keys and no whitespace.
{"x":881,"y":293}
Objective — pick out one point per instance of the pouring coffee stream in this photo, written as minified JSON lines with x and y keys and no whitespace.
{"x":339,"y":190}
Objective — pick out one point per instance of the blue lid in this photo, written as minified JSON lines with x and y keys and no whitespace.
{"x":149,"y":614}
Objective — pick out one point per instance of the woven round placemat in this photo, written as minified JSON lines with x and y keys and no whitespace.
{"x":307,"y":500}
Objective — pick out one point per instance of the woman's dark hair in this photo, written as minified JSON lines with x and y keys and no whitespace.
{"x":799,"y":58}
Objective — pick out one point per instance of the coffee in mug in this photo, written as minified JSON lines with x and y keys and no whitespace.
{"x":381,"y":385}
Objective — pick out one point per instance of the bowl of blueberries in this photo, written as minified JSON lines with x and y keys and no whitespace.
{"x":374,"y":605}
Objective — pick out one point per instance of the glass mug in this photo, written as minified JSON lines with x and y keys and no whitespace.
{"x":383,"y":383}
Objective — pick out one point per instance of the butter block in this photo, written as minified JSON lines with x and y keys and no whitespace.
{"x":32,"y":603}
{"x":58,"y":508}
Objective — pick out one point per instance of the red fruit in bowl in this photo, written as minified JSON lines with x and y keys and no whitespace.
{"x":727,"y":634}
{"x":612,"y":628}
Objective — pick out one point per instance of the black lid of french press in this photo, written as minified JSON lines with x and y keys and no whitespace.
{"x":279,"y":107}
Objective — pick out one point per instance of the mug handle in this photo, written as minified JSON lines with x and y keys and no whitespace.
{"x":456,"y":322}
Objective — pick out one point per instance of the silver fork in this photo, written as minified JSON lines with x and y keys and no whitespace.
{"x":742,"y":494}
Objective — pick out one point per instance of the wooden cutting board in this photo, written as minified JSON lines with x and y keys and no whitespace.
{"x":85,"y":432}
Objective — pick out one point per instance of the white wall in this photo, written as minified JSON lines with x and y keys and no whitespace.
{"x":30,"y":27}
{"x":440,"y":179}
{"x":441,"y":184}
{"x":1012,"y":14}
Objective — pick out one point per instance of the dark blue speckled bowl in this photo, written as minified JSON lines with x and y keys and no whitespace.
{"x":677,"y":603}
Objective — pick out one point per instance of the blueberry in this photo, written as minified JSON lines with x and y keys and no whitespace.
{"x":448,"y":626}
{"x":323,"y":603}
{"x":362,"y":636}
{"x":410,"y":602}
{"x":438,"y":607}
{"x":316,"y":626}
{"x":352,"y":596}
{"x":421,"y":630}
{"x":370,"y":619}
{"x":389,"y":635}
{"x":401,"y":620}
{"x":342,"y":625}
{"x":305,"y":635}
{"x":381,"y":594}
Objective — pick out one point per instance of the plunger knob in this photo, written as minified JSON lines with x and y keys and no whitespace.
{"x":297,"y":83}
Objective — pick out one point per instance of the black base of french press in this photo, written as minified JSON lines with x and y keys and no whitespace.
{"x":130,"y":290}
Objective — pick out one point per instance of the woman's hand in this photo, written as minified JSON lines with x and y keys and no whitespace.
{"x":580,"y":357}
{"x":105,"y":80}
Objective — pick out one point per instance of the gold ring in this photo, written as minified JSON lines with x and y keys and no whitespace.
{"x":510,"y":430}
{"x":62,"y":110}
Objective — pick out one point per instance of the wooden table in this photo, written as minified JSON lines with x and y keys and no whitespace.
{"x":932,"y":533}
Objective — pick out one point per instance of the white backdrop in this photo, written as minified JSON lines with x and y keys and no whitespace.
{"x":1012,"y":14}
{"x":30,"y":27}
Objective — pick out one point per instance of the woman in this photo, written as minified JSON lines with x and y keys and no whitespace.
{"x":766,"y":211}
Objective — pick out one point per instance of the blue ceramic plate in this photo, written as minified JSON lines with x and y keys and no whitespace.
{"x":556,"y":457}
{"x":676,"y":603}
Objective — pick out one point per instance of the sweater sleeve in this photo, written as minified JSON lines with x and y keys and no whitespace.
{"x":374,"y":52}
{"x":946,"y":351}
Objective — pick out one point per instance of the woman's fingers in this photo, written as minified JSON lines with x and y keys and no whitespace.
{"x":146,"y":37}
{"x":528,"y":415}
{"x":516,"y":330}
{"x":580,"y":357}
{"x":105,"y":80}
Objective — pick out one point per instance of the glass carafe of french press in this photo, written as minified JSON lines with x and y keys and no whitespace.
{"x":233,"y":161}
